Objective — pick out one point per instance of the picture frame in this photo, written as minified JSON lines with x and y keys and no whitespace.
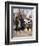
{"x":10,"y":10}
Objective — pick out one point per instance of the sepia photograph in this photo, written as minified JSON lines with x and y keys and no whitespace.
{"x":21,"y":22}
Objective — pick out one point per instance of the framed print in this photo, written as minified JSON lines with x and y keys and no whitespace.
{"x":21,"y":22}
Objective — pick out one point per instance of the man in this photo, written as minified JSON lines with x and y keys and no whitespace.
{"x":22,"y":22}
